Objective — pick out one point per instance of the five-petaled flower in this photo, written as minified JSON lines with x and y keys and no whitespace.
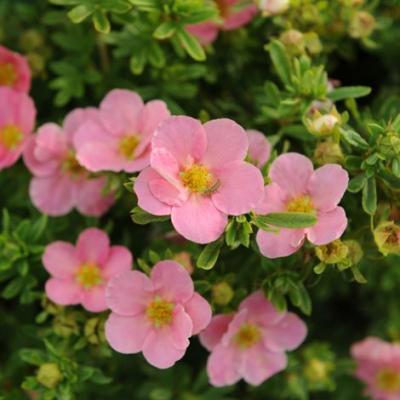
{"x":156,"y":315}
{"x":296,"y":187}
{"x":14,"y":71}
{"x":198,"y":175}
{"x":251,"y":343}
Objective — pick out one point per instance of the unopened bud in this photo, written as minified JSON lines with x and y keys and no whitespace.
{"x":293,"y":41}
{"x":389,"y":144}
{"x":273,"y":7}
{"x":332,"y":253}
{"x":322,"y":124}
{"x":49,"y":375}
{"x":317,"y":370}
{"x":387,"y":238}
{"x":362,"y":25}
{"x":222,"y":293}
{"x":355,"y":252}
{"x":185,"y":259}
{"x":312,"y":43}
{"x":328,"y":152}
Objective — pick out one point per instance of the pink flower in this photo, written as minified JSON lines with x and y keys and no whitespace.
{"x":273,"y":7}
{"x":60,"y":183}
{"x":119,"y":139}
{"x":250,"y":344}
{"x":296,"y":187}
{"x":17,"y":120}
{"x":232,"y":19}
{"x":198,"y":176}
{"x":378,"y":365}
{"x":259,"y":148}
{"x":14,"y":71}
{"x":155,"y":315}
{"x":79,"y":274}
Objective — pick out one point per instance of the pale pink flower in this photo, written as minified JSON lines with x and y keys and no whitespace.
{"x":198,"y":176}
{"x":232,"y":19}
{"x":120,"y":138}
{"x":155,"y":315}
{"x":259,"y":148}
{"x":59,"y":182}
{"x":296,"y":187}
{"x":251,"y":343}
{"x":14,"y":71}
{"x":79,"y":274}
{"x":17,"y":120}
{"x":273,"y":7}
{"x":378,"y":365}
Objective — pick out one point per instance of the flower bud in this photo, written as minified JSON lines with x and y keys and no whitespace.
{"x":322,"y":124}
{"x":312,"y":43}
{"x":328,"y":152}
{"x":362,"y":25}
{"x":332,"y":253}
{"x":31,"y":40}
{"x":185,"y":259}
{"x":222,"y":293}
{"x":387,"y":238}
{"x":94,"y":330}
{"x":273,"y":7}
{"x":293,"y":41}
{"x":355,"y":252}
{"x":49,"y":375}
{"x":389,"y":144}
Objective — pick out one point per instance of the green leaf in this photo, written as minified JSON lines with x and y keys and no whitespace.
{"x":38,"y":227}
{"x":357,"y":183}
{"x":165,"y":30}
{"x":191,"y":45}
{"x":354,"y":139}
{"x":369,"y":199}
{"x":358,"y":276}
{"x":80,"y":13}
{"x":141,"y":217}
{"x":209,"y":256}
{"x":13,"y":288}
{"x":281,"y":61}
{"x":137,"y":63}
{"x":288,"y":219}
{"x":347,"y":92}
{"x":101,"y":22}
{"x":33,"y":356}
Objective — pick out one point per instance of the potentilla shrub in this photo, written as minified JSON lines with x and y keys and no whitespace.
{"x":200,"y":199}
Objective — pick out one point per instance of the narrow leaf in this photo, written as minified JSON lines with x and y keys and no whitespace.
{"x":347,"y":92}
{"x":209,"y":256}
{"x":369,"y":199}
{"x":288,"y":219}
{"x":142,"y":217}
{"x":191,"y":45}
{"x":281,"y":61}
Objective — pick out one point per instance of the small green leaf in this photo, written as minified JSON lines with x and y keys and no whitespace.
{"x":101,"y":22}
{"x":32,"y":356}
{"x":13,"y":288}
{"x":191,"y":45}
{"x":357,"y":183}
{"x":165,"y":30}
{"x":354,"y":139}
{"x":209,"y":256}
{"x":281,"y":61}
{"x":137,"y":63}
{"x":141,"y":217}
{"x":80,"y":13}
{"x":347,"y":92}
{"x":320,"y":268}
{"x":369,"y":198}
{"x":358,"y":276}
{"x":288,"y":219}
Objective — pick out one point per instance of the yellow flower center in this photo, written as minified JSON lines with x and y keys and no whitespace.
{"x":128,"y":145}
{"x":71,"y":165}
{"x":89,"y":275}
{"x":10,"y":136}
{"x":198,"y":179}
{"x":388,"y":380}
{"x":248,"y":336}
{"x":302,"y":204}
{"x":159,"y":312}
{"x":8,"y":75}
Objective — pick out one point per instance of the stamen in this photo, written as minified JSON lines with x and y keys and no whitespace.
{"x":301,"y":204}
{"x":89,"y":275}
{"x":247,"y":336}
{"x":388,"y":380}
{"x":8,"y":75}
{"x":198,"y":179}
{"x":10,"y":136}
{"x":159,"y":312}
{"x":128,"y":145}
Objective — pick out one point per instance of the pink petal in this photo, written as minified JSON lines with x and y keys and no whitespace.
{"x":53,"y":195}
{"x":199,"y":311}
{"x":258,"y":364}
{"x":206,"y":32}
{"x":226,"y":141}
{"x":129,"y":293}
{"x":93,"y":246}
{"x":90,"y":199}
{"x":214,"y":332}
{"x":119,"y":260}
{"x":171,"y":281}
{"x":60,"y":260}
{"x":330,"y":176}
{"x":153,"y":113}
{"x":292,"y":171}
{"x":329,"y":227}
{"x":241,"y":188}
{"x":181,"y":328}
{"x":63,"y":292}
{"x":183,"y":137}
{"x":146,"y":200}
{"x":287,"y":334}
{"x":167,"y":193}
{"x":274,"y":200}
{"x":94,"y":299}
{"x":259,"y":148}
{"x":222,"y":366}
{"x":21,"y":67}
{"x":159,"y":349}
{"x":163,"y":162}
{"x":198,"y":220}
{"x":240,"y":18}
{"x":281,"y":244}
{"x":137,"y":164}
{"x":76,"y":118}
{"x":126,"y":334}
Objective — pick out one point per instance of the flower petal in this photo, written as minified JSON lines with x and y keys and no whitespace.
{"x":60,"y":260}
{"x":171,"y":281}
{"x":93,"y":246}
{"x":181,"y":328}
{"x":199,"y":311}
{"x":222,"y":366}
{"x":212,"y":335}
{"x":153,"y":113}
{"x":119,"y":260}
{"x":280,"y":244}
{"x":126,"y":334}
{"x":129,"y":293}
{"x":259,"y":148}
{"x":167,"y":193}
{"x":94,"y":299}
{"x":329,"y":227}
{"x":292,"y":171}
{"x":226,"y":142}
{"x":63,"y":292}
{"x":241,"y":188}
{"x":206,"y":32}
{"x":198,"y":220}
{"x":330,"y":176}
{"x":274,"y":200}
